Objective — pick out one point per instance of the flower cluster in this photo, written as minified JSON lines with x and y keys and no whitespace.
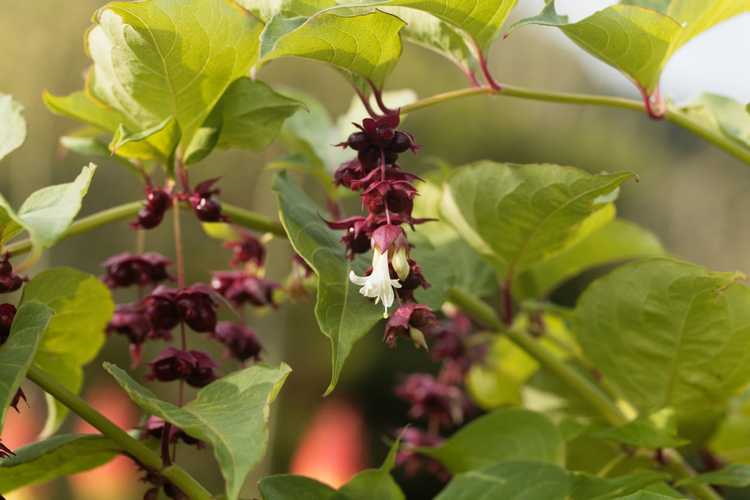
{"x":439,"y":401}
{"x":202,"y":199}
{"x":387,"y":193}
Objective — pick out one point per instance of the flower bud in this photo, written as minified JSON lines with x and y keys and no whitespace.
{"x":197,"y":308}
{"x":161,"y":309}
{"x":241,"y":341}
{"x":400,"y":263}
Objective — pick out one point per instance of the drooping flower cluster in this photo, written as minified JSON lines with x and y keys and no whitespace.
{"x":439,"y":401}
{"x":387,"y":193}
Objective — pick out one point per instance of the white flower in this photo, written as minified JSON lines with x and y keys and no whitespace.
{"x":378,"y":284}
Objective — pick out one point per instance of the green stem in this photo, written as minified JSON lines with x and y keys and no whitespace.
{"x":482,"y":313}
{"x":674,"y":116}
{"x":84,"y":225}
{"x":240,"y":216}
{"x":140,"y":452}
{"x":253,"y":220}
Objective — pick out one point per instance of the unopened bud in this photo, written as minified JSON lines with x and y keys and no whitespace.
{"x":400,"y":263}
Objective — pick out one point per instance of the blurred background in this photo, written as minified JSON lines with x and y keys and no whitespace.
{"x":692,"y":195}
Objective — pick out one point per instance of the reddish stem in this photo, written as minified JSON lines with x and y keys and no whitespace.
{"x":654,"y":103}
{"x":484,"y":67}
{"x":378,"y":93}
{"x":365,"y":102}
{"x":507,"y":301}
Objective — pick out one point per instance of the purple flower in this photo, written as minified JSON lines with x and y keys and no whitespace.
{"x":241,"y":342}
{"x":413,"y":462}
{"x":407,"y":318}
{"x":125,"y":269}
{"x":248,"y":249}
{"x":205,"y":206}
{"x":197,"y":308}
{"x":194,"y":367}
{"x":161,"y":308}
{"x":242,"y":288}
{"x":154,"y":427}
{"x":151,"y":214}
{"x":432,"y":400}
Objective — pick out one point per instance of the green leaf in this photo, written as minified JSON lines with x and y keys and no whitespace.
{"x":82,"y":307}
{"x":452,"y":264}
{"x":84,"y":108}
{"x":501,"y":436}
{"x":588,"y":487}
{"x":722,"y":114}
{"x":12,"y":125}
{"x":668,"y":334}
{"x":251,"y":113}
{"x":427,"y":31}
{"x":231,"y":414}
{"x":481,"y":19}
{"x":510,"y":481}
{"x":374,"y":484}
{"x":519,"y":215}
{"x":649,"y":495}
{"x":291,"y":487}
{"x":617,"y":241}
{"x":367,"y":45}
{"x":158,"y":59}
{"x":500,"y":379}
{"x":344,"y":316}
{"x":658,"y":430}
{"x":58,"y":456}
{"x":17,"y":353}
{"x":638,"y":40}
{"x":733,"y":475}
{"x":47,"y":213}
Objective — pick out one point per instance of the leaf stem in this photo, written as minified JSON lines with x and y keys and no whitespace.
{"x":253,"y":220}
{"x":129,"y":445}
{"x":482,"y":313}
{"x":672,"y":115}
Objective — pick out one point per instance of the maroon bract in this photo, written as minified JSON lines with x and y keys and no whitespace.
{"x":131,"y":321}
{"x":242,"y":288}
{"x":151,"y":214}
{"x":9,"y":281}
{"x":408,"y":317}
{"x":248,"y":249}
{"x":432,"y":400}
{"x":7,"y":313}
{"x":126,"y":269}
{"x":241,"y":342}
{"x":205,"y":206}
{"x":161,"y":308}
{"x":197,"y":308}
{"x":415,"y":279}
{"x":194,"y":367}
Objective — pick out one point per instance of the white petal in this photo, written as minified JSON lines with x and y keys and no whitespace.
{"x":357,"y":280}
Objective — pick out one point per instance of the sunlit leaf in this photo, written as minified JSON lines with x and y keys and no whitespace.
{"x":46,"y":213}
{"x":519,"y":215}
{"x":658,"y":430}
{"x":722,"y":114}
{"x":344,"y":316}
{"x":12,"y":125}
{"x":367,"y":45}
{"x":640,"y":37}
{"x":82,"y":307}
{"x":230,"y":414}
{"x":170,"y":58}
{"x":617,"y":241}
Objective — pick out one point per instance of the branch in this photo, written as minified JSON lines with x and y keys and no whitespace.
{"x":672,"y":115}
{"x":129,"y":445}
{"x":479,"y":311}
{"x":239,"y":216}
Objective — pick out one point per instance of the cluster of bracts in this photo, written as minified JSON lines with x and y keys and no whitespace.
{"x":387,"y":193}
{"x":9,"y":283}
{"x":161,"y":309}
